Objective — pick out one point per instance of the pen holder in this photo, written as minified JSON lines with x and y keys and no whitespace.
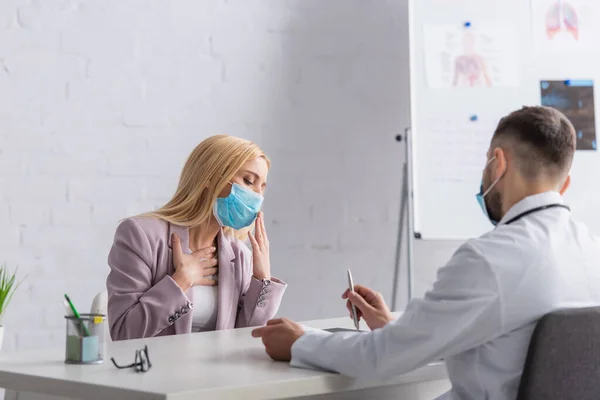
{"x":85,"y":341}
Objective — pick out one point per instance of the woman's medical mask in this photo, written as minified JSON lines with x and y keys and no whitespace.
{"x":239,"y":209}
{"x":481,"y":195}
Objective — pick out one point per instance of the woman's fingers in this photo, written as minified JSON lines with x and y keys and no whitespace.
{"x":209,"y":262}
{"x":254,"y":242}
{"x":208,"y":282}
{"x":258,"y":229}
{"x":209,"y":271}
{"x":263,"y":229}
{"x":177,"y":252}
{"x":207,"y":252}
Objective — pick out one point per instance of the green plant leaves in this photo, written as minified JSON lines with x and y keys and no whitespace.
{"x":8,"y":286}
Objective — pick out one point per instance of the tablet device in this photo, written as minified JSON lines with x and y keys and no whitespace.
{"x":334,"y":330}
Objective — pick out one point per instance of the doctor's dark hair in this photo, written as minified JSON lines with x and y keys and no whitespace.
{"x":541,"y":139}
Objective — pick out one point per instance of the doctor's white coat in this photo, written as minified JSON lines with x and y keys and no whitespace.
{"x":481,"y":311}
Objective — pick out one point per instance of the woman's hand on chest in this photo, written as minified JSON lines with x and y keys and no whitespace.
{"x":193,"y":269}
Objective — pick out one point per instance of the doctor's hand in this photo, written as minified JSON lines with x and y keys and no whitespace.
{"x":370,"y":306}
{"x":261,"y":264}
{"x":193,"y":269}
{"x":278,"y":336}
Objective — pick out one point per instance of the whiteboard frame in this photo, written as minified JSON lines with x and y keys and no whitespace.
{"x":410,"y":168}
{"x":407,"y":196}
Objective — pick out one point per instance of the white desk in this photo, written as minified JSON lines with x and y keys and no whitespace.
{"x":213,"y":365}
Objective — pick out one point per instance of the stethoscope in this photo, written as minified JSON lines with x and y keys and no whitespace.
{"x":534,"y":210}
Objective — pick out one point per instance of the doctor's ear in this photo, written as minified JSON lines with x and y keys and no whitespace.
{"x":500,"y":155}
{"x":565,"y":185}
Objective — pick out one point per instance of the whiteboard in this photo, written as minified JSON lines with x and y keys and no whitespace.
{"x":454,"y":111}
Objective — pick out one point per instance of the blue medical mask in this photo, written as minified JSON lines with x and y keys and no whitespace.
{"x":481,"y":195}
{"x":239,"y":209}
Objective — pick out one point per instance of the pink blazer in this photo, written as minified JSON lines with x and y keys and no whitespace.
{"x":143,"y":300}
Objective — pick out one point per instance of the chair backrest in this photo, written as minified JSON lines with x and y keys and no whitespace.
{"x":100,"y":306}
{"x":563,"y":360}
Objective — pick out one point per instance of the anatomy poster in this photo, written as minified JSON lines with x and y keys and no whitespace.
{"x":565,"y":25}
{"x":575,"y":99}
{"x":470,"y":57}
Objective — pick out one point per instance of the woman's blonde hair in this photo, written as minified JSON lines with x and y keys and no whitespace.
{"x":207,"y":171}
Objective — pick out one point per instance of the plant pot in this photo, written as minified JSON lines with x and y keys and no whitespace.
{"x":1,"y":335}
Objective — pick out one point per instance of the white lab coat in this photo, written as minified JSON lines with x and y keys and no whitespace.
{"x":481,"y":311}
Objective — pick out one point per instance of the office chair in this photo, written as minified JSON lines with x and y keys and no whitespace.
{"x":563,"y":360}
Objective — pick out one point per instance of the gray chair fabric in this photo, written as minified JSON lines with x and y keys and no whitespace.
{"x":563,"y":360}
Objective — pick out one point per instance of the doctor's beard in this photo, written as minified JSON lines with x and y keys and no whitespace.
{"x":493,"y":201}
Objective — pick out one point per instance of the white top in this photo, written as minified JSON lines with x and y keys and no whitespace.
{"x":204,"y":317}
{"x":482,"y":309}
{"x":227,"y":364}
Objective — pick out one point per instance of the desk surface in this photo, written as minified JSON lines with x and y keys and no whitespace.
{"x":221,"y":364}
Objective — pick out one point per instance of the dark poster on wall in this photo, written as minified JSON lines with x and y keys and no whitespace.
{"x":575,"y":99}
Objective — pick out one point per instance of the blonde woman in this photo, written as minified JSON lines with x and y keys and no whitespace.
{"x":164,"y":264}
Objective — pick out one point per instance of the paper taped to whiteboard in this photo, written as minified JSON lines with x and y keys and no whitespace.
{"x":458,"y":147}
{"x":478,"y":57}
{"x":564,"y":26}
{"x":451,"y":157}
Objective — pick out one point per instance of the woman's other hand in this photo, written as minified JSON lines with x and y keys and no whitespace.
{"x":260,"y":249}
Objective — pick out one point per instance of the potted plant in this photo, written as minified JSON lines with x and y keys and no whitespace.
{"x":8,"y":286}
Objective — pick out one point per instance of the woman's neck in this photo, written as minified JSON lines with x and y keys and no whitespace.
{"x":204,"y":235}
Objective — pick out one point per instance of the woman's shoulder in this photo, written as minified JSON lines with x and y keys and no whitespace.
{"x":141,"y":242}
{"x":153,"y":228}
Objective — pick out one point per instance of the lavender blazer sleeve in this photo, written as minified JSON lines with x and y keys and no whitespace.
{"x":137,"y":306}
{"x":260,"y":301}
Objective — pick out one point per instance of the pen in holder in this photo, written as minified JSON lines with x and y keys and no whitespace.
{"x":85,"y":341}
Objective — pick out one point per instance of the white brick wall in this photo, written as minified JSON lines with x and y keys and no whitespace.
{"x":102,"y":101}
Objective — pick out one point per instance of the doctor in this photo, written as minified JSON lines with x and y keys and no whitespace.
{"x":481,"y":311}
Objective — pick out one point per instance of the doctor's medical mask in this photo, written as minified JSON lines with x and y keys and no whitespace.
{"x":485,"y":207}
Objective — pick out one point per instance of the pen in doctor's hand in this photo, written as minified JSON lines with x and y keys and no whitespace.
{"x":351,"y":287}
{"x":370,"y":306}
